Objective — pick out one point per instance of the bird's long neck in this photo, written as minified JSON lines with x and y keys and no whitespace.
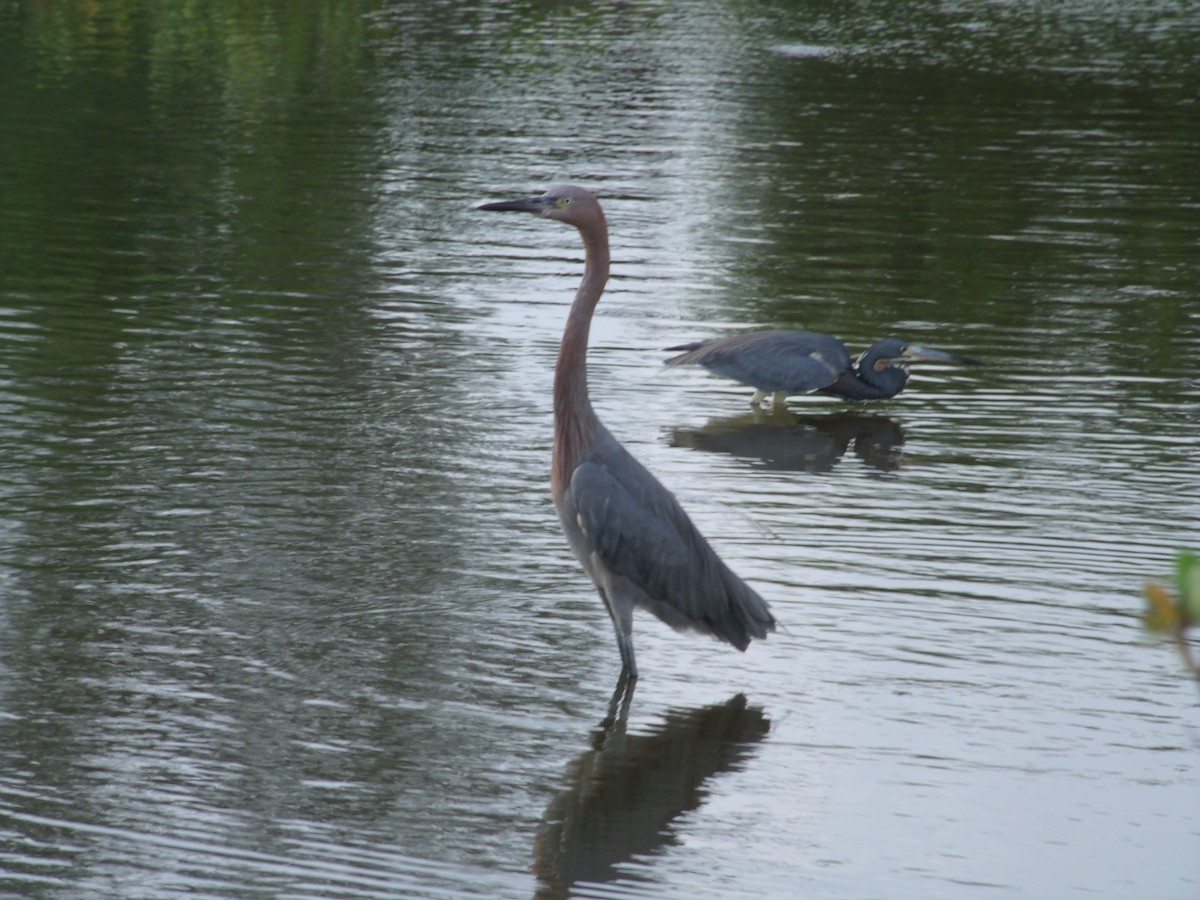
{"x":868,"y":383}
{"x":574,"y":419}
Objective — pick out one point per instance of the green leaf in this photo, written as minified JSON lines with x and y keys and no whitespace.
{"x":1187,"y":581}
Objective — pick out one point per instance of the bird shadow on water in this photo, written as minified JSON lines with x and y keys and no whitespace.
{"x":622,"y":794}
{"x":780,"y":440}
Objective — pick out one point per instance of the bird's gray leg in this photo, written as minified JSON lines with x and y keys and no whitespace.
{"x":779,"y":399}
{"x":621,"y":610}
{"x":758,"y":398}
{"x":625,"y":644}
{"x":622,"y":616}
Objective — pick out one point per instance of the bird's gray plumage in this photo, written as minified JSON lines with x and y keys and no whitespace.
{"x":797,"y":362}
{"x":641,"y":549}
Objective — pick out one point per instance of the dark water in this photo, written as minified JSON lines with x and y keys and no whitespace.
{"x":284,"y":607}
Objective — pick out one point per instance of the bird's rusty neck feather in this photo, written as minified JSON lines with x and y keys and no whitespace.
{"x":575,"y":422}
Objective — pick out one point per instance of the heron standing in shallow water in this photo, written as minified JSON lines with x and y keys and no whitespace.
{"x":782,"y":363}
{"x":629,"y":532}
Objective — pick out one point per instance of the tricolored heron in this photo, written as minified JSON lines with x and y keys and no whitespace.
{"x":629,"y":532}
{"x":783,"y":363}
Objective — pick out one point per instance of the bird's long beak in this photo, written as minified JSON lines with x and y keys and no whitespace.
{"x":914,"y":351}
{"x":529,"y":205}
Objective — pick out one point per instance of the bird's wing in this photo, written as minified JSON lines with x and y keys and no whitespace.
{"x":635,"y":529}
{"x":792,"y":361}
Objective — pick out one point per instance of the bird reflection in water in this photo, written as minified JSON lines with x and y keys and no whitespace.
{"x":785,"y":442}
{"x":622,"y":794}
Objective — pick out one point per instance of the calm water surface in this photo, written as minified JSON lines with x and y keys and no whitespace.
{"x":284,"y":606}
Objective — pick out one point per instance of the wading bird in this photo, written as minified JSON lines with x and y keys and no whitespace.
{"x":782,"y":363}
{"x":629,"y":532}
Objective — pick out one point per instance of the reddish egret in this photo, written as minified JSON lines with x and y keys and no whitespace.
{"x":802,"y":362}
{"x":629,"y":532}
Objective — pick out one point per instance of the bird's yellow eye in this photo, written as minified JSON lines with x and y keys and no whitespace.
{"x":563,"y":202}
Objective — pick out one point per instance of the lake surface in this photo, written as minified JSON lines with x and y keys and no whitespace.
{"x":284,"y":605}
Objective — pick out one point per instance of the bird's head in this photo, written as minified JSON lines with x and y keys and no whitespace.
{"x":883,"y":364}
{"x":894,"y":351}
{"x":564,"y":202}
